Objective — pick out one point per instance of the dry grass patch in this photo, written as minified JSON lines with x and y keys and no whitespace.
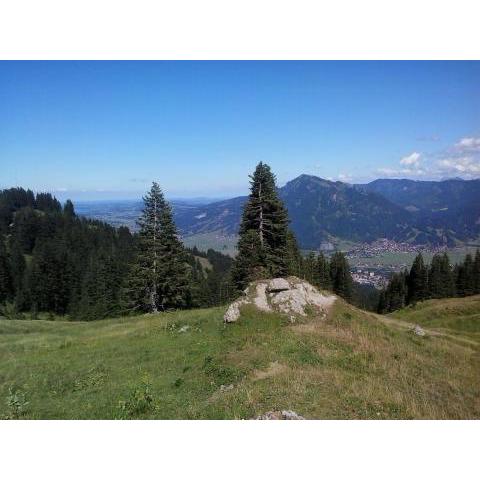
{"x":274,"y":368}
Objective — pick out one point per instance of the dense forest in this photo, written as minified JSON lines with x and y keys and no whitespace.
{"x":438,"y":280}
{"x":52,"y":261}
{"x":55,"y":263}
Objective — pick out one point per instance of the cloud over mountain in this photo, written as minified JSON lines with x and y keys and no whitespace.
{"x":460,"y":159}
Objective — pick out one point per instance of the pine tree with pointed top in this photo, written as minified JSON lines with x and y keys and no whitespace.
{"x":323,"y":271}
{"x":262,"y":246}
{"x":440,"y":277}
{"x":394,"y":296}
{"x":174,"y":273}
{"x":341,"y":278}
{"x":160,"y":276}
{"x":417,"y":281}
{"x":68,"y":209}
{"x":466,"y":277}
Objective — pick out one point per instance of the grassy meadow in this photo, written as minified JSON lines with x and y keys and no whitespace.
{"x":189,"y":365}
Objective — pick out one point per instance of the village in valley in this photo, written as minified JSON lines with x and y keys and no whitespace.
{"x":374,"y":263}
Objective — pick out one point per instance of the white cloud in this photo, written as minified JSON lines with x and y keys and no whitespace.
{"x":345,"y":177}
{"x":410,"y":167}
{"x":412,"y":159}
{"x":467,"y":166}
{"x":461,"y":159}
{"x":468,"y":144}
{"x":402,"y":172}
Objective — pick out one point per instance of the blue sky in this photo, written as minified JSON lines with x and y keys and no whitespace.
{"x":106,"y":129}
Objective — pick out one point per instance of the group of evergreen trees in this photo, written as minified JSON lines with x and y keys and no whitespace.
{"x":437,"y":280}
{"x":329,"y":274}
{"x":211,"y":284}
{"x":53,"y":261}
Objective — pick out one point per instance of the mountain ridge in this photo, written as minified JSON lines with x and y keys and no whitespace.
{"x":321,"y":209}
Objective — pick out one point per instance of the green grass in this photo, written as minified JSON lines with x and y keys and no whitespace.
{"x":459,"y":316}
{"x":351,"y":365}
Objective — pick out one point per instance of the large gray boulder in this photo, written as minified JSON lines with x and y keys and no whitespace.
{"x":291,"y":296}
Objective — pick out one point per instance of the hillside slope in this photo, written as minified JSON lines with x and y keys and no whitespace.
{"x":352,"y":365}
{"x":450,"y":316}
{"x":450,"y":206}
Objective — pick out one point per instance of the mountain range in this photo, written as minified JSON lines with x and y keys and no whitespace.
{"x":418,"y":212}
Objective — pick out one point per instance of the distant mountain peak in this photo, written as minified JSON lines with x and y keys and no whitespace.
{"x":321,"y":210}
{"x":310,"y":179}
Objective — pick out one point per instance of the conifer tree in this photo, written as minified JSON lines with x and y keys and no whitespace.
{"x":6,"y":287}
{"x":174,"y":274}
{"x":435,"y":278}
{"x":476,"y":272}
{"x":417,"y":281}
{"x":68,"y":209}
{"x":466,"y":277}
{"x":310,"y":273}
{"x":382,"y":302}
{"x":323,"y":272}
{"x":440,"y":277}
{"x":294,"y":258}
{"x":100,"y":292}
{"x":17,"y":267}
{"x":262,"y":246}
{"x":341,"y":278}
{"x":449,"y":289}
{"x":160,"y":277}
{"x":394,"y":296}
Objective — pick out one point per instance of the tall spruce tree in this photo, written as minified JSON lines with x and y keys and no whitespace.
{"x":323,"y":272}
{"x":394,"y":296}
{"x":440,"y":277}
{"x":341,"y":278}
{"x":466,"y":277}
{"x":160,"y":277}
{"x":262,"y":246}
{"x":417,"y":281}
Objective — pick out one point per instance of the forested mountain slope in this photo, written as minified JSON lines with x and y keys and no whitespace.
{"x":319,"y":209}
{"x":450,"y":206}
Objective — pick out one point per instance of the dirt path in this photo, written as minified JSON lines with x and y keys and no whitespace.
{"x":395,"y":322}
